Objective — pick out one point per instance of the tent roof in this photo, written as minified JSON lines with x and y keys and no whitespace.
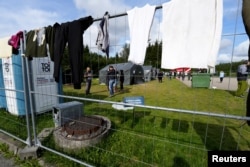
{"x":119,"y":66}
{"x":147,"y":67}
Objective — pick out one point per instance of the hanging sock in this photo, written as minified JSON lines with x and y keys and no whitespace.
{"x":192,"y":33}
{"x":140,"y":21}
{"x":102,"y":40}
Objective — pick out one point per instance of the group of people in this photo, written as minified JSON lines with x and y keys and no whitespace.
{"x":111,"y":80}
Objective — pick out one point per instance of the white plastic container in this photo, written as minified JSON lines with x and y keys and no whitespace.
{"x":42,"y":81}
{"x":13,"y":84}
{"x":3,"y":103}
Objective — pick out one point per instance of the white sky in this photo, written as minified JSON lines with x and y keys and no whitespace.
{"x":19,"y":15}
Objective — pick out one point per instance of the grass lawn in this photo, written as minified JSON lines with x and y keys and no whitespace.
{"x":152,"y":137}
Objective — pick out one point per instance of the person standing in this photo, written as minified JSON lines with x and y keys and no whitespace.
{"x":246,"y":22}
{"x":88,"y":78}
{"x":221,"y":76}
{"x":170,"y":75}
{"x":189,"y":75}
{"x":116,"y":80}
{"x":242,"y":80}
{"x":160,"y":75}
{"x":183,"y":75}
{"x":111,"y":78}
{"x":107,"y":80}
{"x":121,"y":80}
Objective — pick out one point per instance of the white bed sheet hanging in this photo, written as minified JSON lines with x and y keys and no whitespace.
{"x":140,"y":22}
{"x":191,"y":33}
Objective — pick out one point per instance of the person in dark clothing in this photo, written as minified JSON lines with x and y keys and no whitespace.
{"x":160,"y":75}
{"x":170,"y":75}
{"x":116,"y":80}
{"x":107,"y":80}
{"x":111,"y":78}
{"x":242,"y":80}
{"x":88,"y":78}
{"x":183,"y":75}
{"x":189,"y":75}
{"x":71,"y":33}
{"x":175,"y":73}
{"x":248,"y":106}
{"x":121,"y":80}
{"x":246,"y":21}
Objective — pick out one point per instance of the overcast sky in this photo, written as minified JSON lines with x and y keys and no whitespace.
{"x":31,"y":14}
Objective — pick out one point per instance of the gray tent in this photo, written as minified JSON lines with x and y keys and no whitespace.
{"x":133,"y":74}
{"x":148,"y":73}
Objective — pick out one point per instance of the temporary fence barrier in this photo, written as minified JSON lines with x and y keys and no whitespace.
{"x":160,"y":135}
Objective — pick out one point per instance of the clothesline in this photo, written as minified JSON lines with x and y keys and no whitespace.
{"x":123,"y":14}
{"x":157,"y":7}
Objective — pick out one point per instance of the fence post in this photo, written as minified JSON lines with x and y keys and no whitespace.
{"x":26,"y":94}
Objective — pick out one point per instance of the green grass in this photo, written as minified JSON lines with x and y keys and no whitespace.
{"x":151,"y":137}
{"x":4,"y":150}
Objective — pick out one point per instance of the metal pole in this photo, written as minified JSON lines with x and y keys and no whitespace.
{"x":123,"y":14}
{"x":22,"y":46}
{"x":31,"y":101}
{"x":30,"y":95}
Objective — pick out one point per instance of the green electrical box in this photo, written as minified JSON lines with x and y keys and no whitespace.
{"x":201,"y":80}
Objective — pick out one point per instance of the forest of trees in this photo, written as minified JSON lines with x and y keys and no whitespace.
{"x":153,"y":57}
{"x":97,"y":62}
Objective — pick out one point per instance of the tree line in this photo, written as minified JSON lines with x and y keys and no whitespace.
{"x":153,"y":57}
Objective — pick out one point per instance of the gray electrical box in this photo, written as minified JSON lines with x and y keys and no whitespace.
{"x":65,"y":112}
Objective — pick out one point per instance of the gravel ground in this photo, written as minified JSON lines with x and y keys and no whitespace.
{"x":6,"y":162}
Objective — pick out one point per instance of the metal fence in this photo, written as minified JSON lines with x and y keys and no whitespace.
{"x":108,"y":132}
{"x":145,"y":135}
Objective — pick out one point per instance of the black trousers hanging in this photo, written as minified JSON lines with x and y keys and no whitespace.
{"x":71,"y":33}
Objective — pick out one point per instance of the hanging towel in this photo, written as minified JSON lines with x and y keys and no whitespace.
{"x":5,"y":48}
{"x":140,"y":21}
{"x":191,"y":33}
{"x":102,"y":40}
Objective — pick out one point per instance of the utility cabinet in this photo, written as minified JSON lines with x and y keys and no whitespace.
{"x":65,"y":112}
